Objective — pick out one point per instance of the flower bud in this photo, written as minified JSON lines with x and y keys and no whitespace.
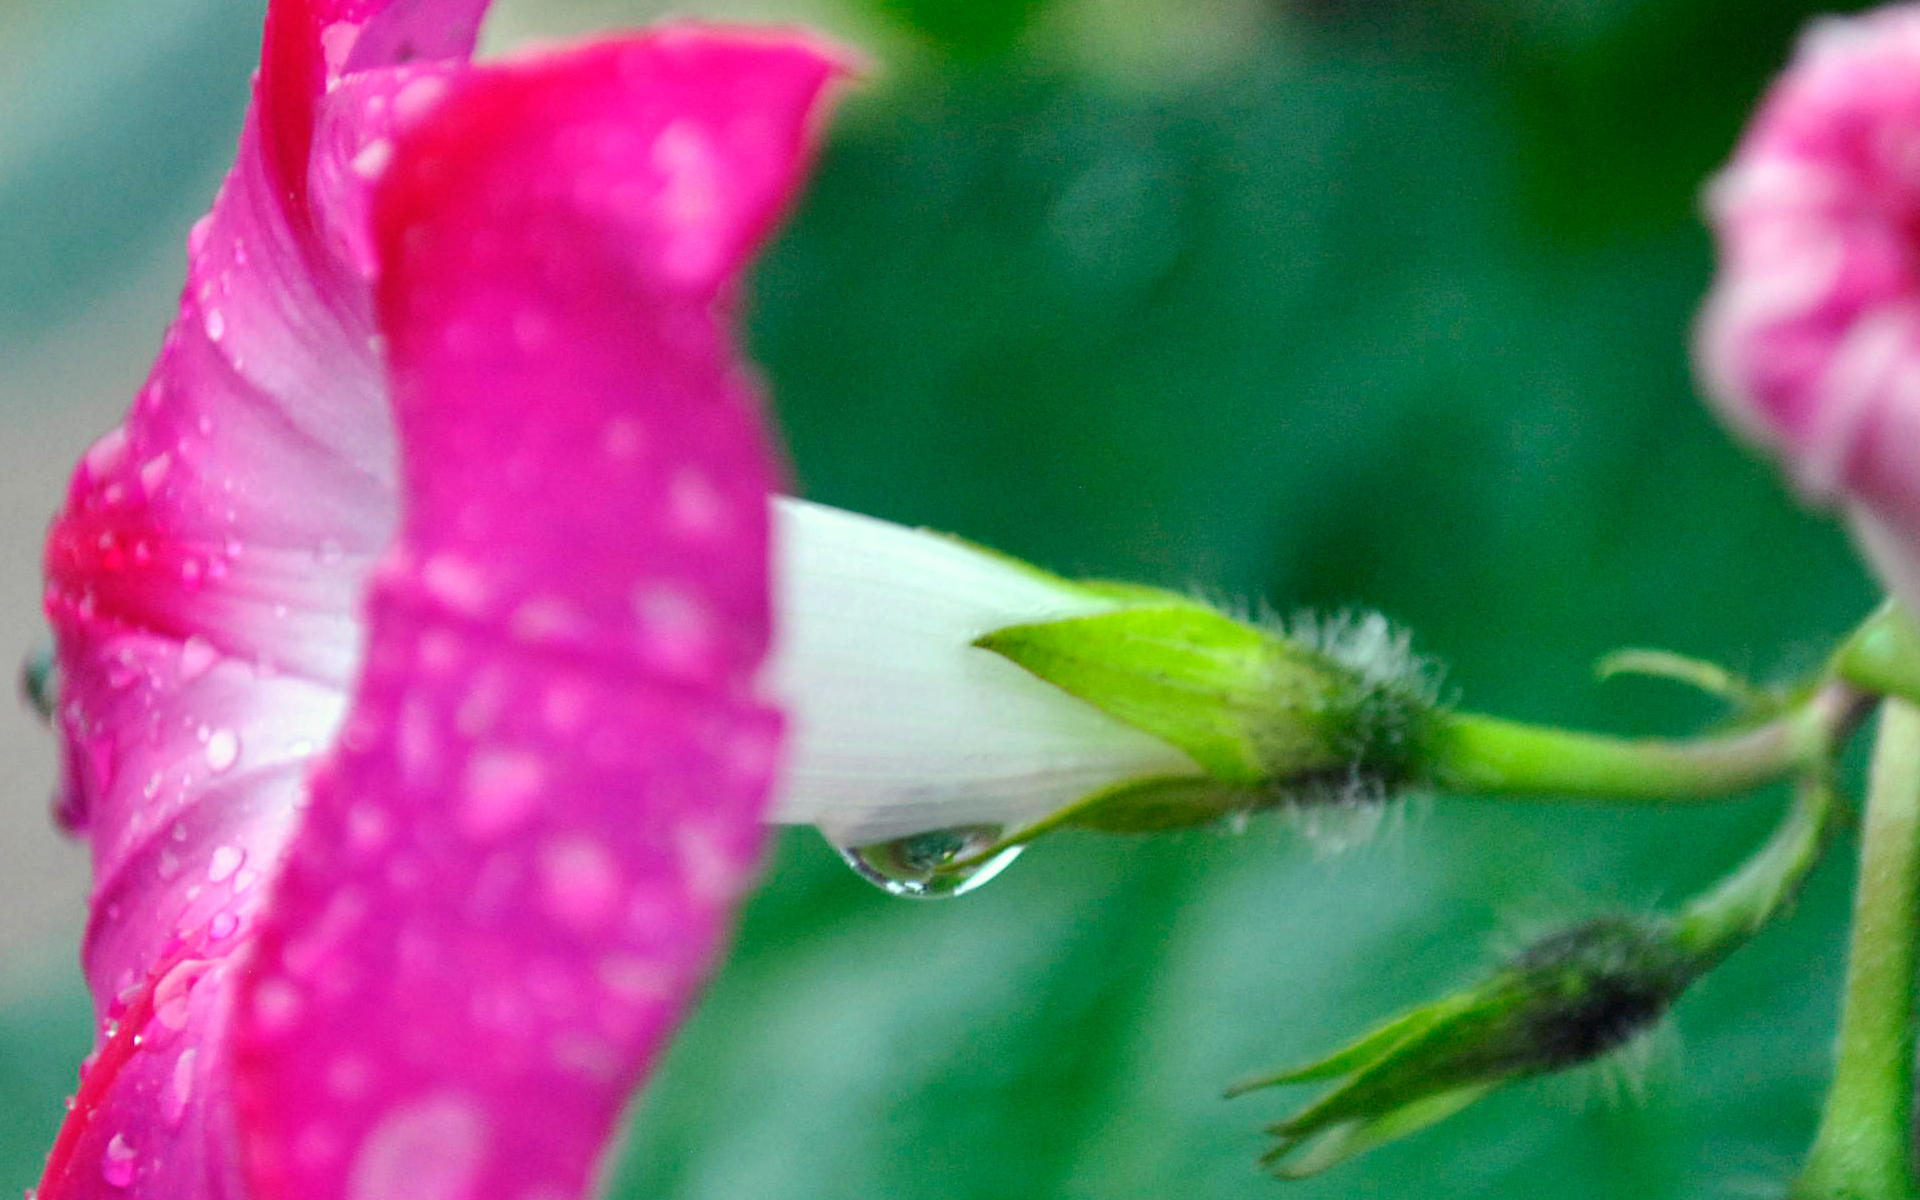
{"x":1566,"y":999}
{"x":1335,"y":711}
{"x":1810,"y":340}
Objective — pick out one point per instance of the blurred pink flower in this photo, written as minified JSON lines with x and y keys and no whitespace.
{"x":1810,"y":340}
{"x":409,"y":626}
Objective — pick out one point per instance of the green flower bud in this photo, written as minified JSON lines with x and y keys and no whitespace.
{"x":1566,"y":999}
{"x":1334,"y":710}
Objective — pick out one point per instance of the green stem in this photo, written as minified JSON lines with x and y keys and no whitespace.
{"x":1863,"y":1150}
{"x":1883,"y":654}
{"x":1472,"y":752}
{"x":1720,"y":921}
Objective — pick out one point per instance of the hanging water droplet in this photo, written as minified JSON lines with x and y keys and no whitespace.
{"x":40,"y":682}
{"x":912,"y":866}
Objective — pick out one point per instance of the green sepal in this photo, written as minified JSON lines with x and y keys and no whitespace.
{"x":1697,"y":673}
{"x":1369,"y":1048}
{"x":1247,"y":705}
{"x":1305,"y":1157}
{"x":1149,"y":806}
{"x":1883,"y":654}
{"x":1154,"y":805}
{"x":1566,"y":999}
{"x":1142,"y":595}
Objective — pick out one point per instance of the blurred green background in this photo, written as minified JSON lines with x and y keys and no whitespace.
{"x":1321,"y":303}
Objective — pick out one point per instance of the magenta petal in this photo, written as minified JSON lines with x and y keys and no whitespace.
{"x":1810,"y":340}
{"x":309,"y":43}
{"x":525,"y":847}
{"x":203,"y":582}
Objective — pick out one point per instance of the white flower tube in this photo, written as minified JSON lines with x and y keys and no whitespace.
{"x":899,"y":725}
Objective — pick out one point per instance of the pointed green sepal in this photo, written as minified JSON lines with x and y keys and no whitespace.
{"x":1251,"y":706}
{"x":1303,"y":1158}
{"x":1696,"y":673}
{"x":1181,"y":672}
{"x":1149,"y":806}
{"x":1350,"y":1058}
{"x":1883,"y":654}
{"x":1566,"y":999}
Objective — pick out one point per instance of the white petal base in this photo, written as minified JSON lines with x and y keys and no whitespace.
{"x":898,"y":724}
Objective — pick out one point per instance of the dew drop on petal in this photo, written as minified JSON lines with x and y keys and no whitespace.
{"x":216,"y":325}
{"x":917,"y":866}
{"x":276,"y":1007}
{"x":179,"y":1093}
{"x":432,"y":1149}
{"x":580,"y":880}
{"x":117,"y":1162}
{"x":502,"y":789}
{"x":373,"y":158}
{"x":225,"y":861}
{"x":154,"y":472}
{"x":417,"y":98}
{"x":635,"y":979}
{"x":174,"y":994}
{"x":196,"y":656}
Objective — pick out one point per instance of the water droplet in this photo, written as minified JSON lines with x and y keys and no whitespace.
{"x":373,"y":158}
{"x":197,"y":655}
{"x":580,"y":880}
{"x":216,"y":325}
{"x":117,"y":1163}
{"x":173,"y":1103}
{"x":276,"y":1008}
{"x":416,"y":98}
{"x":154,"y":471}
{"x":225,"y":861}
{"x":172,"y":998}
{"x":223,"y":750}
{"x":911,"y":866}
{"x":40,"y":683}
{"x":503,"y":788}
{"x":432,"y":1149}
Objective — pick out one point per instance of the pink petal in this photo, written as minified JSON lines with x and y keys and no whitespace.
{"x":1810,"y":340}
{"x":524,"y":849}
{"x":202,"y":580}
{"x":308,"y":43}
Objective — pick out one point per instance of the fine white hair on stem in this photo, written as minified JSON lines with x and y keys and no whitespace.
{"x":898,"y":724}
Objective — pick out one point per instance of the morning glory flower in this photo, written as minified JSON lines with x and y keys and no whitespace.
{"x":410,"y":627}
{"x":1810,"y":340}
